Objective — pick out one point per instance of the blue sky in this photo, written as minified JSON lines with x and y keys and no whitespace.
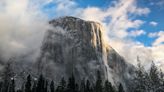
{"x":98,"y":3}
{"x":156,"y":14}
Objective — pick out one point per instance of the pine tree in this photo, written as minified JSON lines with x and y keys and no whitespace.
{"x":1,"y":85}
{"x":12,"y":85}
{"x":99,"y":86}
{"x":40,"y":84}
{"x":7,"y":75}
{"x":5,"y":87}
{"x":154,"y":77}
{"x":88,"y":86}
{"x":45,"y":86}
{"x":108,"y":87}
{"x":71,"y":84}
{"x":63,"y":83}
{"x":121,"y":89}
{"x":82,"y":86}
{"x":8,"y":71}
{"x":62,"y":86}
{"x":145,"y":81}
{"x":34,"y":88}
{"x":19,"y":90}
{"x":76,"y":87}
{"x":141,"y":80}
{"x":52,"y":87}
{"x":28,"y":84}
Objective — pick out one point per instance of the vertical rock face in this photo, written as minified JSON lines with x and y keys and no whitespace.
{"x":77,"y":46}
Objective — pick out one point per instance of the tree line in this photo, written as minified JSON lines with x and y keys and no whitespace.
{"x":150,"y":80}
{"x":43,"y":85}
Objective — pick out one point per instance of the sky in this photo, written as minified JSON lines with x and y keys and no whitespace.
{"x":134,"y":28}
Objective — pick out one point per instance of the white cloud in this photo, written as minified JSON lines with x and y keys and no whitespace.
{"x":21,"y":28}
{"x":157,"y":3}
{"x":153,"y":23}
{"x":120,"y":20}
{"x":134,"y":50}
{"x":62,"y":8}
{"x":158,"y":55}
{"x":156,"y":34}
{"x":137,"y":33}
{"x":94,"y":14}
{"x":151,"y":35}
{"x":158,"y":48}
{"x":159,"y":40}
{"x":160,"y":3}
{"x":140,"y":11}
{"x":159,"y":37}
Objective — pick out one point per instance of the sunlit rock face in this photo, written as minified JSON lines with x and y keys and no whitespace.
{"x":75,"y":46}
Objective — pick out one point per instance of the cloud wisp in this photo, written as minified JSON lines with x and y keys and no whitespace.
{"x":21,"y":28}
{"x":153,"y":23}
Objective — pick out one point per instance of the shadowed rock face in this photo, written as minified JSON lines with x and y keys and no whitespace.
{"x":77,"y":46}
